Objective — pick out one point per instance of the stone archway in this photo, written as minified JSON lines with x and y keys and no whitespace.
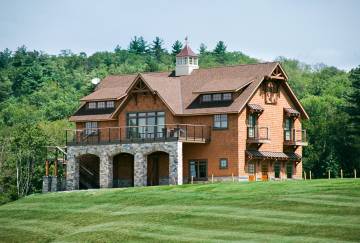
{"x":123,"y":170}
{"x":89,"y":171}
{"x":157,"y":168}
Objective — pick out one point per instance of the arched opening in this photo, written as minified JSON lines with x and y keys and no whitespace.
{"x":89,"y":171}
{"x":123,"y":170}
{"x":158,"y":169}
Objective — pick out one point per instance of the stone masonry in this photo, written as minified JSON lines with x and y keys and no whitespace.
{"x":140,"y":152}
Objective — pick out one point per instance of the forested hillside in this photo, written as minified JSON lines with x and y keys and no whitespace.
{"x":39,"y":91}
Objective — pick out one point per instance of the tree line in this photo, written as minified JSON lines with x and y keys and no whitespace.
{"x":39,"y":91}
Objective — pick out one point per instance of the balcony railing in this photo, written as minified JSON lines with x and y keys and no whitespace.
{"x":258,"y":134}
{"x":296,"y":137}
{"x":189,"y":133}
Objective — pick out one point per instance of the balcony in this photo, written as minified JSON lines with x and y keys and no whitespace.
{"x":295,"y":137}
{"x":187,"y":133}
{"x":258,"y":135}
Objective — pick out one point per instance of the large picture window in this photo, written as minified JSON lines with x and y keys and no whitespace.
{"x":198,"y":169}
{"x":221,"y":121}
{"x":91,"y":128}
{"x":146,"y":124}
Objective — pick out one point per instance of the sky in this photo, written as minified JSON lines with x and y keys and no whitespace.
{"x":312,"y":31}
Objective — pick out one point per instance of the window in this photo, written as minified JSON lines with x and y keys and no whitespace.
{"x":110,"y":104}
{"x":251,"y":168}
{"x":252,"y":119}
{"x":221,"y":121}
{"x":227,"y":96}
{"x":91,"y":128}
{"x":195,"y":61}
{"x":146,"y":124}
{"x":287,"y":129}
{"x":206,"y":98}
{"x":198,"y":169}
{"x":190,"y":60}
{"x":223,"y":163}
{"x":92,"y":105}
{"x":185,"y":60}
{"x":101,"y":105}
{"x":216,"y":97}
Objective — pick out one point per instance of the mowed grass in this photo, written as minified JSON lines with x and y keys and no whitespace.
{"x":292,"y":211}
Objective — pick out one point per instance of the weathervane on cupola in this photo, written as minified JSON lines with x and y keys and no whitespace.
{"x":186,"y":60}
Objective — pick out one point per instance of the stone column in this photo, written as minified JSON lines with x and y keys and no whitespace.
{"x":72,"y":173}
{"x":54,"y":184}
{"x":176,"y":165}
{"x":140,"y":169}
{"x":106,"y":171}
{"x":46,"y":184}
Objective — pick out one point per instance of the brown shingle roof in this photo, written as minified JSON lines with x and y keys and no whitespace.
{"x":178,"y":92}
{"x":99,"y":117}
{"x":186,"y":52}
{"x":255,"y":154}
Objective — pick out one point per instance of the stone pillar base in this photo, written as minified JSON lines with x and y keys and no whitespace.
{"x":46,"y":187}
{"x":54,"y":184}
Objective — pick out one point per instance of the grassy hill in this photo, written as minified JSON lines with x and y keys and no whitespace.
{"x":311,"y":211}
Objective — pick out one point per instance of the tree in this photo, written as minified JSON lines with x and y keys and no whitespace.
{"x":157,"y":48}
{"x":353,"y":110}
{"x":176,"y":48}
{"x":220,"y":48}
{"x":203,"y":48}
{"x":138,"y":45}
{"x":5,"y":87}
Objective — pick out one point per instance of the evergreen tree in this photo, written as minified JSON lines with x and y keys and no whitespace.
{"x":157,"y":48}
{"x":138,"y":45}
{"x":220,"y":48}
{"x":354,"y":117}
{"x":176,"y":48}
{"x":203,"y":48}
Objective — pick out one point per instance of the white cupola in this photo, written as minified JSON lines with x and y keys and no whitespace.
{"x":186,"y":61}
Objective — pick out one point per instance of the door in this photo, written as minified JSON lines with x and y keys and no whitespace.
{"x":264,"y":171}
{"x":287,"y":129}
{"x":198,"y":170}
{"x":251,"y":171}
{"x":251,"y":126}
{"x":153,"y":171}
{"x":289,"y":170}
{"x":277,"y":168}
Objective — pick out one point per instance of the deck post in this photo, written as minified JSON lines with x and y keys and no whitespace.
{"x":329,"y":174}
{"x":47,"y":168}
{"x":341,"y":173}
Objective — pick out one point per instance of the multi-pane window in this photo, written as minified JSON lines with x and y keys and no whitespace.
{"x":92,"y":105}
{"x":146,"y":124}
{"x":198,"y":169}
{"x":216,"y":97}
{"x":221,"y":121}
{"x":288,"y":128}
{"x":206,"y":98}
{"x":91,"y":128}
{"x":251,"y":168}
{"x":190,"y":60}
{"x":227,"y":96}
{"x":223,"y":163}
{"x":101,"y":105}
{"x":252,"y":125}
{"x":110,"y":104}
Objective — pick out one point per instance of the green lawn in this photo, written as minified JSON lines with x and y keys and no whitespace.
{"x":304,"y":211}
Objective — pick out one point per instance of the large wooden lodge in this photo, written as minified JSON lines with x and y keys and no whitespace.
{"x":238,"y":123}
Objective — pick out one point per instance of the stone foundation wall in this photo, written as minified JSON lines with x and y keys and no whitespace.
{"x":140,"y":151}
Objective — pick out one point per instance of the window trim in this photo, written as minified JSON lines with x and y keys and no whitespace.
{"x":227,"y":164}
{"x":221,"y":128}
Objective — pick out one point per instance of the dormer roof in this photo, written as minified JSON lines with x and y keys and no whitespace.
{"x":186,"y":52}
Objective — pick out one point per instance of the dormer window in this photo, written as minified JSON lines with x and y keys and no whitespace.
{"x":216,"y":97}
{"x":101,"y":105}
{"x":92,"y":105}
{"x":227,"y":96}
{"x":110,"y":104}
